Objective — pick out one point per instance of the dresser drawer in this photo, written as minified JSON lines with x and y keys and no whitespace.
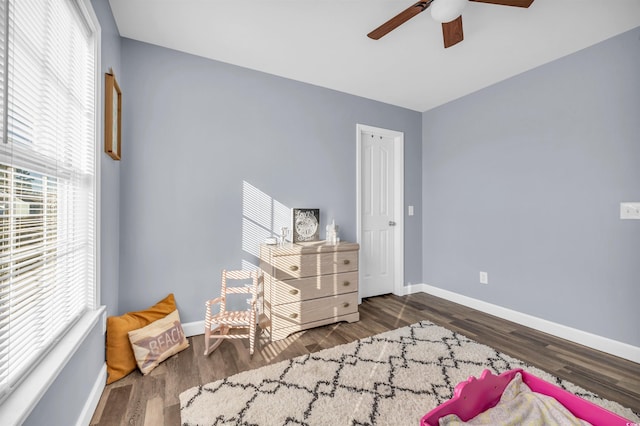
{"x":308,"y":285}
{"x":310,"y":265}
{"x":313,"y":287}
{"x":313,"y":310}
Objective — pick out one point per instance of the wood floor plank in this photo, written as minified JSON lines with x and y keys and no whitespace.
{"x":154,"y":412}
{"x":154,"y":399}
{"x":172,"y":415}
{"x":355,"y":331}
{"x":116,"y":405}
{"x":322,"y":338}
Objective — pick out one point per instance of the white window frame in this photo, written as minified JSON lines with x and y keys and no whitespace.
{"x":16,"y":408}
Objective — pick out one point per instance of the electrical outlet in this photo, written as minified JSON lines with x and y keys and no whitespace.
{"x":484,"y":277}
{"x":629,"y":210}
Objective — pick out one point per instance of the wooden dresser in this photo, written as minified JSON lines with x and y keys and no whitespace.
{"x":308,"y":285}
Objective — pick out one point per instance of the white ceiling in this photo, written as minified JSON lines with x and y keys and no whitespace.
{"x":324,"y":42}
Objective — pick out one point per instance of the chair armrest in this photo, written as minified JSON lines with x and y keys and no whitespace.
{"x":214,"y":301}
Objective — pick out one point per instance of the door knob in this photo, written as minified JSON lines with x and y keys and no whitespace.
{"x":392,"y":223}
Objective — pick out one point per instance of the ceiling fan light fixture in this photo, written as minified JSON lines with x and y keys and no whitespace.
{"x":447,"y":10}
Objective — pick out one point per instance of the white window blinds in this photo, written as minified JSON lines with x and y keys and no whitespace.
{"x":47,"y":179}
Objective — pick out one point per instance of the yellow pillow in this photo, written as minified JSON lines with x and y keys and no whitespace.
{"x":158,"y":341}
{"x":120,"y":358}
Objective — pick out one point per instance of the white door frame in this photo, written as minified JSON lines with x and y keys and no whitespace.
{"x":398,"y":202}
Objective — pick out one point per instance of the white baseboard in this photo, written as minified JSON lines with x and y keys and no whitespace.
{"x":604,"y":344}
{"x":94,"y":398}
{"x":193,"y":328}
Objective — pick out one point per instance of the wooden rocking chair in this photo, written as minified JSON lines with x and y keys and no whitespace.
{"x":217,"y":326}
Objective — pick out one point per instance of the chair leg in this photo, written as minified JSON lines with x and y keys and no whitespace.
{"x":220,"y":331}
{"x":207,"y":334}
{"x":252,"y":332}
{"x":213,"y":347}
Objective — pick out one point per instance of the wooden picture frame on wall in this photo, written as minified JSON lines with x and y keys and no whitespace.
{"x":112,"y":117}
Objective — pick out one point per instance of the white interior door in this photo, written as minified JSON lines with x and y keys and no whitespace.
{"x":379,"y":214}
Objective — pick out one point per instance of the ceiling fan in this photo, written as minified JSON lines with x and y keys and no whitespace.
{"x":448,"y":12}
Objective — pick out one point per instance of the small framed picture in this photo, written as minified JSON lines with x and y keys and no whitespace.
{"x":112,"y":117}
{"x":306,"y":225}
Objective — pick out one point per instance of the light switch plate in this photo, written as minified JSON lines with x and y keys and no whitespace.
{"x":630,"y":210}
{"x":410,"y":210}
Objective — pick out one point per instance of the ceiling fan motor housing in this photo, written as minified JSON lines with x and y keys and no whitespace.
{"x":447,"y":10}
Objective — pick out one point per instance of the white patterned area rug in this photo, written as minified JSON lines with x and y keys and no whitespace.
{"x":393,"y":378}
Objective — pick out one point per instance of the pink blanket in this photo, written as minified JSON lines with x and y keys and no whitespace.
{"x":519,"y":405}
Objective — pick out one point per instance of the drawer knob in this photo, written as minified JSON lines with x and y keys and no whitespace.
{"x":293,"y":291}
{"x":346,"y":261}
{"x":345,"y":305}
{"x":293,"y":267}
{"x":346,"y":283}
{"x":293,"y":315}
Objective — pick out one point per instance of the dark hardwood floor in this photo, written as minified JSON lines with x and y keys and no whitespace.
{"x":153,"y":400}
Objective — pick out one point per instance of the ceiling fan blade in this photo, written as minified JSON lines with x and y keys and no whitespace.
{"x":516,"y":3}
{"x":452,"y":32}
{"x":399,"y":19}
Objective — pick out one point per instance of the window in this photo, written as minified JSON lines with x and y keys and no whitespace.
{"x":47,"y":178}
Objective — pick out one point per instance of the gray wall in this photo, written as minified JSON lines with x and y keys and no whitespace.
{"x":109,"y":171}
{"x":214,"y":155}
{"x":524,"y":180}
{"x":63,"y":402}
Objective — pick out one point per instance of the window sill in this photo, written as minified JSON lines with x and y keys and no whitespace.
{"x":25,"y":396}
